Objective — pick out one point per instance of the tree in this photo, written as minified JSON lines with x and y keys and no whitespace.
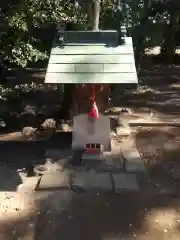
{"x":20,"y":43}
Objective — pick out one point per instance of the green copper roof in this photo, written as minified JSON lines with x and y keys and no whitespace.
{"x":87,"y":58}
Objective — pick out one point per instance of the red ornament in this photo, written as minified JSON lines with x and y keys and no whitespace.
{"x":94,"y":113}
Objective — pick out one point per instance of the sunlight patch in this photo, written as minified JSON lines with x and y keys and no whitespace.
{"x":164,"y":220}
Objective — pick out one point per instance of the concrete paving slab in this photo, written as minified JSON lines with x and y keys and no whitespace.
{"x":124,"y":181}
{"x":133,"y":161}
{"x":54,"y":180}
{"x":93,"y":156}
{"x":92,"y":160}
{"x":92,"y":180}
{"x":113,"y":161}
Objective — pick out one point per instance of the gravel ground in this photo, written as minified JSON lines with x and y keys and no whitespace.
{"x":160,"y":149}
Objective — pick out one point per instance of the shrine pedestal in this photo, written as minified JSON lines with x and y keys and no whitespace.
{"x":82,"y":134}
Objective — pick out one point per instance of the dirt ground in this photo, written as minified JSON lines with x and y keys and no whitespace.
{"x":160,"y":149}
{"x":92,"y":215}
{"x":96,"y":215}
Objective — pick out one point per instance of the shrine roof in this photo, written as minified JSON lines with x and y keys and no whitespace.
{"x":91,"y":57}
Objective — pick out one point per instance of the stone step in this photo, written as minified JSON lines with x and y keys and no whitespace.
{"x":117,"y":182}
{"x":54,"y":181}
{"x":133,"y":161}
{"x":92,"y":160}
{"x":92,"y":180}
{"x":113,"y":161}
{"x":125,"y":182}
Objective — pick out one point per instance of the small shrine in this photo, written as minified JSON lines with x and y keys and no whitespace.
{"x":92,"y":61}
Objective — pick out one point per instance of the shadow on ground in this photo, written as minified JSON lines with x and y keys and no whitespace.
{"x":157,"y":85}
{"x":159,"y":147}
{"x":93,"y":214}
{"x":15,"y":156}
{"x":98,"y":216}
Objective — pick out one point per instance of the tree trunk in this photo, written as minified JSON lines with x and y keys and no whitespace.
{"x":95,"y":26}
{"x":67,"y":102}
{"x":168,"y":47}
{"x":93,"y":14}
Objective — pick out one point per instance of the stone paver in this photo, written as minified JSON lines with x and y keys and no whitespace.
{"x":124,"y":181}
{"x":92,"y":160}
{"x":113,"y":161}
{"x":54,"y":180}
{"x":92,"y":180}
{"x":133,"y":161}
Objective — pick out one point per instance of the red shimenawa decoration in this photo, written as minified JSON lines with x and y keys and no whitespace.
{"x":94,"y":113}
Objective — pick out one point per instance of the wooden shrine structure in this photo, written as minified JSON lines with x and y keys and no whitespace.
{"x":85,"y":58}
{"x":91,"y":57}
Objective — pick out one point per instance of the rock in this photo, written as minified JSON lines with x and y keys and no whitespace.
{"x":123,"y":131}
{"x":66,"y":127}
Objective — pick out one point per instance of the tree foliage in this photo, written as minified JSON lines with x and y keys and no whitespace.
{"x":24,"y":25}
{"x":20,"y":42}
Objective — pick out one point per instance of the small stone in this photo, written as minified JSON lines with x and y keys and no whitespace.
{"x":17,"y":209}
{"x":66,"y":127}
{"x":123,"y":131}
